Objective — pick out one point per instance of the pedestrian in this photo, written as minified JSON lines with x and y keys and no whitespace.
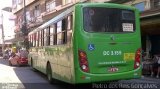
{"x":154,"y":64}
{"x":144,"y":57}
{"x":158,"y":70}
{"x":6,"y":54}
{"x":10,"y":53}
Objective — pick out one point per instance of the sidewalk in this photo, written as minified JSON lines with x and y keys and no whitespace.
{"x":149,"y":78}
{"x":3,"y":61}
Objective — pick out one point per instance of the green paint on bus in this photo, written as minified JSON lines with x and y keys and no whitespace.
{"x":90,"y":42}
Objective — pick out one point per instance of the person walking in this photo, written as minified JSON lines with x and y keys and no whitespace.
{"x":158,"y":71}
{"x":154,"y":64}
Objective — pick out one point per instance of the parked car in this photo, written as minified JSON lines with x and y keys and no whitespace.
{"x":18,"y":59}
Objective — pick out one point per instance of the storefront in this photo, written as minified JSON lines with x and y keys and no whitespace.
{"x":150,"y":31}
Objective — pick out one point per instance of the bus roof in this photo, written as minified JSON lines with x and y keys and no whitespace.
{"x":111,"y":5}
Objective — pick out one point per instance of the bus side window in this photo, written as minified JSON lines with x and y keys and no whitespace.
{"x":64,"y":30}
{"x":30,"y":42}
{"x":40,"y":38}
{"x":45,"y":37}
{"x":37,"y":39}
{"x":48,"y":36}
{"x":52,"y":35}
{"x":34,"y":39}
{"x":69,"y":28}
{"x":59,"y":33}
{"x":55,"y":34}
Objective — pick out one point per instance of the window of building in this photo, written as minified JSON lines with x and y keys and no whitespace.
{"x":20,"y":2}
{"x":156,"y":3}
{"x":14,"y":3}
{"x":20,"y":21}
{"x":28,"y":18}
{"x":140,"y":6}
{"x":67,"y":1}
{"x":50,"y":5}
{"x":37,"y":11}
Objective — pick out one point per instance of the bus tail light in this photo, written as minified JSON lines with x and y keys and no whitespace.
{"x":137,"y":58}
{"x":83,"y":61}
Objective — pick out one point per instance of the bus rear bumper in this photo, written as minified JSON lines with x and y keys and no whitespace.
{"x":83,"y":77}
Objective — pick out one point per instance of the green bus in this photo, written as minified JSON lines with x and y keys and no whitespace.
{"x":89,"y":42}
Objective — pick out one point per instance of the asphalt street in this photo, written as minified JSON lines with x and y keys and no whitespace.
{"x":13,"y":77}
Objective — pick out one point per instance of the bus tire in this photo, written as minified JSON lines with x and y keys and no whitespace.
{"x":49,"y":73}
{"x":32,"y":65}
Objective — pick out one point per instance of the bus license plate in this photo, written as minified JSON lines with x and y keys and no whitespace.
{"x":112,"y":69}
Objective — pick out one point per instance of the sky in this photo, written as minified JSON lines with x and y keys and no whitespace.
{"x":4,"y":3}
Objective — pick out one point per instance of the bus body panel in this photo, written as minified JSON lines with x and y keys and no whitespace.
{"x":120,"y":54}
{"x":106,"y":51}
{"x":82,"y":77}
{"x":60,"y":59}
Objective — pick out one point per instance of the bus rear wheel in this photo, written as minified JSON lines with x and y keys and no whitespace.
{"x":32,"y":65}
{"x":49,"y":73}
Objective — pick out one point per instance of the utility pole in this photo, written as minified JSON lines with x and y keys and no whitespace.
{"x":24,"y":27}
{"x":24,"y":17}
{"x":3,"y":43}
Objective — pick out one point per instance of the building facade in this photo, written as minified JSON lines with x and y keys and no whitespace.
{"x":150,"y":23}
{"x":6,"y":29}
{"x":35,"y":12}
{"x":40,"y":11}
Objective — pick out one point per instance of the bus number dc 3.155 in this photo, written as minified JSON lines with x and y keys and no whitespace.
{"x":107,"y":53}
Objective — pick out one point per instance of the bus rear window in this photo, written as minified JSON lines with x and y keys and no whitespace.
{"x":100,"y":19}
